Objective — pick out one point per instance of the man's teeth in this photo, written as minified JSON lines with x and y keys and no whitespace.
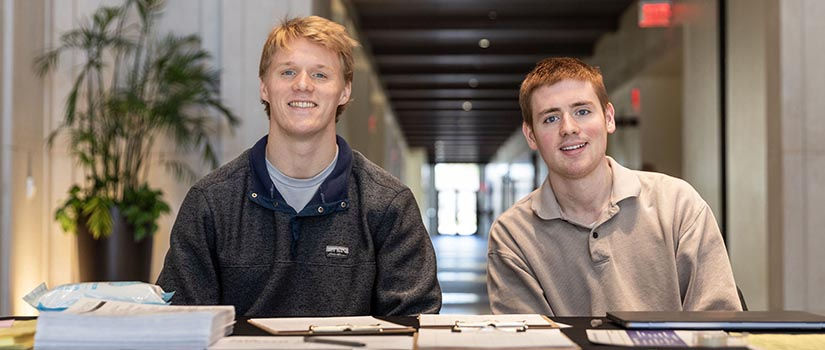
{"x":302,"y":104}
{"x":570,"y":148}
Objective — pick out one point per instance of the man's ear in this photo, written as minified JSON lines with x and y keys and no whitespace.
{"x":264,"y":92}
{"x":345,"y":94}
{"x":610,"y":118}
{"x":529,"y":135}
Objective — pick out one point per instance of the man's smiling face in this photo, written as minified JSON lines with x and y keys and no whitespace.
{"x":304,"y":86}
{"x":569,"y":128}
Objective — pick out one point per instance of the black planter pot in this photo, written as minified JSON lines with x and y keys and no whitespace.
{"x":114,"y":258}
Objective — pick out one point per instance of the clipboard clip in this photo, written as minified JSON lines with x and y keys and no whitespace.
{"x":346,"y":328}
{"x":487,"y":325}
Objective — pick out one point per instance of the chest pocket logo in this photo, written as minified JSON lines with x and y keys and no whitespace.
{"x":337,"y":252}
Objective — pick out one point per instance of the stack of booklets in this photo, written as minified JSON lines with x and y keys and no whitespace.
{"x":93,"y":323}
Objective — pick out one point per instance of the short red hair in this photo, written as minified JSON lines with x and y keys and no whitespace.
{"x":553,"y":70}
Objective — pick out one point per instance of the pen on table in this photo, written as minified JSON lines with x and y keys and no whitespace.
{"x":334,"y":341}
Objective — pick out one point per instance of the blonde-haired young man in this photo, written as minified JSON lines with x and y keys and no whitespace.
{"x":596,"y":236}
{"x":300,"y":224}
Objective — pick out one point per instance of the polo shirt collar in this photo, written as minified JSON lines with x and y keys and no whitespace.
{"x":625,"y":185}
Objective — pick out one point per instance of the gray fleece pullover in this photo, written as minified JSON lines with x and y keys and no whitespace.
{"x":358,"y":248}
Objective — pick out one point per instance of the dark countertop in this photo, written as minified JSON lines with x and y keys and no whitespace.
{"x":576,"y":332}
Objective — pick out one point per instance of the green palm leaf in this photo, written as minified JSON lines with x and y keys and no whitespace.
{"x":159,"y":87}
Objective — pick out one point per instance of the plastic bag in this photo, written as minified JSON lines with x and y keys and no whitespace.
{"x":63,"y":296}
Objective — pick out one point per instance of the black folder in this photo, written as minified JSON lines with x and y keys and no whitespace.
{"x":727,"y":320}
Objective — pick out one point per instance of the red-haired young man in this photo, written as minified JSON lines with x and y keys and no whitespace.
{"x":596,"y":236}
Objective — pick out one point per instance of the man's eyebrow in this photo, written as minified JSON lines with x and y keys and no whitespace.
{"x":581,"y":103}
{"x":291,"y":63}
{"x":549,"y":110}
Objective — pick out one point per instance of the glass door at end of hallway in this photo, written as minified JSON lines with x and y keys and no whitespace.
{"x":457,"y":187}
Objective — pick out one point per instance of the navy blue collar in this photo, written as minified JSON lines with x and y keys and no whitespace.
{"x":331,"y":196}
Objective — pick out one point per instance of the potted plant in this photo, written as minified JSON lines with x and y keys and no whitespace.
{"x":132,"y":88}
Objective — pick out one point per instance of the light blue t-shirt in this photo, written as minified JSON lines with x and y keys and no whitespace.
{"x":298,"y":192}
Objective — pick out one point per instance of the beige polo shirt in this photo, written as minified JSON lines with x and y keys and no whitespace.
{"x":657,"y":248}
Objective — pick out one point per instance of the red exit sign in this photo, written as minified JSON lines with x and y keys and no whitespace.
{"x":655,"y":13}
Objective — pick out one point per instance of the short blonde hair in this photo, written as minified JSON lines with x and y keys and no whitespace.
{"x":553,"y":70}
{"x":319,"y":30}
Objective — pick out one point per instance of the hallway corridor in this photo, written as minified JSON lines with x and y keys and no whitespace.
{"x":462,"y":272}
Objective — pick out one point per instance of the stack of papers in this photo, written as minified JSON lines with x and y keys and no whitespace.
{"x":516,"y":331}
{"x":435,"y":338}
{"x":94,"y":323}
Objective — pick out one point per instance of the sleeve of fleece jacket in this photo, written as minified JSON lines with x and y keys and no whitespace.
{"x":406,"y":282}
{"x":705,"y":277}
{"x":189,"y":268}
{"x":511,"y":286}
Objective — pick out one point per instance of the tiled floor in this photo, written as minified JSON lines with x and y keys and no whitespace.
{"x":462,"y":264}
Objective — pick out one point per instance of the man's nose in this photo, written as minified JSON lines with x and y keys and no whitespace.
{"x":569,"y":125}
{"x":302,"y":82}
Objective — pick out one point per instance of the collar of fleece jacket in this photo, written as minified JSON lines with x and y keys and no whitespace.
{"x":331,"y":195}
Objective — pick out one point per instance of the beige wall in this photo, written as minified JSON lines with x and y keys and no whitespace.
{"x":796,"y":189}
{"x":747,"y":148}
{"x":700,"y":100}
{"x":777,"y":152}
{"x":29,"y":242}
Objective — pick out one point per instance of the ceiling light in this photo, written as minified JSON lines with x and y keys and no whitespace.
{"x":484,"y":43}
{"x":467,"y":106}
{"x":473,"y":82}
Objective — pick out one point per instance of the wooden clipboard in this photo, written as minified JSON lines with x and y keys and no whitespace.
{"x":451,"y":321}
{"x":322,"y":326}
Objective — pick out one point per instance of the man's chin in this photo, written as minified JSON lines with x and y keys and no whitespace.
{"x":574,"y":170}
{"x":307,"y":130}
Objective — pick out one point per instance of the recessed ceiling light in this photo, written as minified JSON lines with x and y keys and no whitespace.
{"x":492,"y":15}
{"x":467,"y":106}
{"x":484,"y":43}
{"x":473,"y":82}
